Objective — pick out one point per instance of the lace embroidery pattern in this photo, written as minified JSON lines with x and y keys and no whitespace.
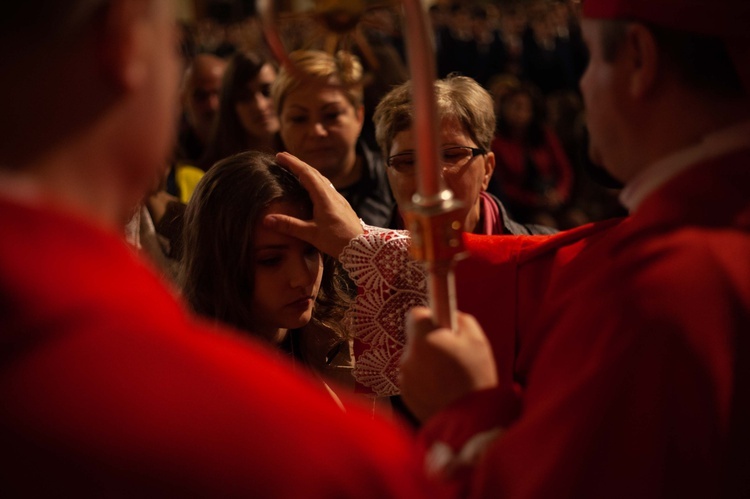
{"x":390,"y":283}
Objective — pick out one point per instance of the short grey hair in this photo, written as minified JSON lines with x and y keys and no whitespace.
{"x":458,"y":98}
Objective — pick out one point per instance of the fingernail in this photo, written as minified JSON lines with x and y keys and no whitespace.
{"x":270,"y":221}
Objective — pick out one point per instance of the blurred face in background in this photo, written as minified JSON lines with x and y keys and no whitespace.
{"x":518,"y":110}
{"x":200,"y":93}
{"x":254,"y":106}
{"x":321,"y":126}
{"x":513,"y":22}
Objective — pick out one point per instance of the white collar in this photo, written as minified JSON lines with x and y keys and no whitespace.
{"x":714,"y":144}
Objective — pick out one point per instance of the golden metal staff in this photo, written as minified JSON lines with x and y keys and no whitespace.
{"x":433,"y":216}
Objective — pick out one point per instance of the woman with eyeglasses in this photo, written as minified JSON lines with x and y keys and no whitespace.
{"x":466,"y":130}
{"x":467,"y":125}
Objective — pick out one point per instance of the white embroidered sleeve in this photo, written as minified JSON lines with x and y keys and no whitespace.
{"x":389,"y":283}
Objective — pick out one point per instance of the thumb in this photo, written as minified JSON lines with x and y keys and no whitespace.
{"x":419,"y":323}
{"x":290,"y":226}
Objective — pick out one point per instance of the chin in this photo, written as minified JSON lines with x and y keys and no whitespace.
{"x":298,"y":322}
{"x":317,"y":157}
{"x":328,"y":170}
{"x":594,"y":155}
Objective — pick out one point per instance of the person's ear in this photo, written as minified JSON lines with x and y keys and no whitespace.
{"x":124,"y":42}
{"x":489,"y":168}
{"x":643,"y":60}
{"x":360,"y":111}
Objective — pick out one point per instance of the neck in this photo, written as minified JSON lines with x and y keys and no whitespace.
{"x":349,"y":174}
{"x":677,"y":124}
{"x":203,"y":134}
{"x":264,"y":143}
{"x":82,"y":184}
{"x":280,"y":335}
{"x":473,"y":218}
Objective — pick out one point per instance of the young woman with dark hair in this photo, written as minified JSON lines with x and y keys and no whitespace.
{"x":272,"y":286}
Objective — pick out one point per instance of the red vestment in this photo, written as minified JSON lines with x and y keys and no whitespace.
{"x":622,"y":339}
{"x":109,"y":387}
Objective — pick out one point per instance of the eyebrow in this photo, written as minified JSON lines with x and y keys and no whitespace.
{"x":324,"y":107}
{"x":270,"y":247}
{"x":442,"y":146}
{"x":332,"y":104}
{"x":405,"y":151}
{"x":297,"y":107}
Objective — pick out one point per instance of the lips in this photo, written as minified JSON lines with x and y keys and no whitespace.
{"x":303,"y":302}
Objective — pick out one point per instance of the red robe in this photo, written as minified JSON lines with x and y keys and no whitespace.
{"x":108,"y":387}
{"x":622,"y":338}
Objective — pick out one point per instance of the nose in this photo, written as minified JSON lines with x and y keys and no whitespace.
{"x":447,"y":175}
{"x":318,"y":130}
{"x":213,"y":102}
{"x":302,"y":273}
{"x":261,"y":102}
{"x":450,"y":180}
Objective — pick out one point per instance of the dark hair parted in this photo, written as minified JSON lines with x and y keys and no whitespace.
{"x":702,"y":61}
{"x":218,"y":269}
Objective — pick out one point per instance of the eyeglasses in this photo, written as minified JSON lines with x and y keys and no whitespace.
{"x":453,"y":159}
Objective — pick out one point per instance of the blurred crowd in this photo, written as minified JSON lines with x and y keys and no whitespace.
{"x":528,"y":54}
{"x":282,"y":313}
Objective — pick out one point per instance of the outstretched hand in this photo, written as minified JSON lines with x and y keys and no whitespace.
{"x":334,"y":222}
{"x":439,"y":366}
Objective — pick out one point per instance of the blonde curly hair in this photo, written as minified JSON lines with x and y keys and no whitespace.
{"x":342,"y":69}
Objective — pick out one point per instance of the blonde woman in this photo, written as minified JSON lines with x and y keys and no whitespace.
{"x":319,"y":104}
